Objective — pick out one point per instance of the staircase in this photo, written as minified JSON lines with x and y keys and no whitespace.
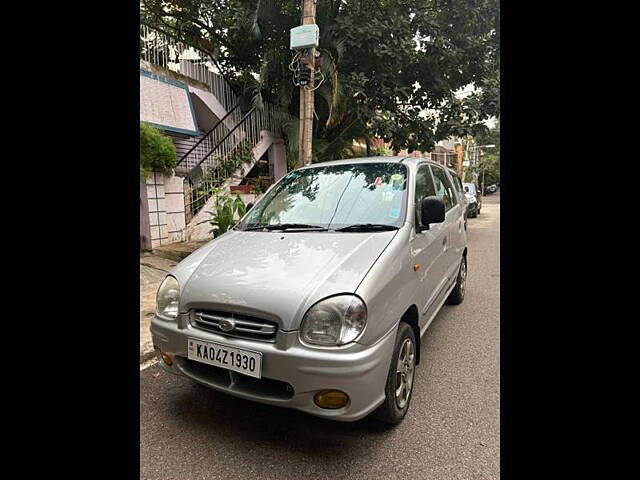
{"x":224,"y":154}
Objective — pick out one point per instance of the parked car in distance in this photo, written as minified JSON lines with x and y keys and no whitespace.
{"x":457,"y":185}
{"x":318,"y":298}
{"x":473,"y":198}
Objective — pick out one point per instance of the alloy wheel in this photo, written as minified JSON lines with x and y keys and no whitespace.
{"x":404,"y":373}
{"x":463,"y":276}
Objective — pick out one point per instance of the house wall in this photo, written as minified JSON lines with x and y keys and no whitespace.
{"x":166,"y":103}
{"x":165,"y":197}
{"x":174,"y":201}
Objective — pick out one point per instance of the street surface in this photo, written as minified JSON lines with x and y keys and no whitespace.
{"x":452,"y":430}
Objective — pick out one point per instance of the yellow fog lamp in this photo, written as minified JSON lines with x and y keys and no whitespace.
{"x":166,"y":359}
{"x":331,"y":399}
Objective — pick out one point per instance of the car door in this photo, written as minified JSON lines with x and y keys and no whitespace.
{"x":428,"y":249}
{"x":454,"y":221}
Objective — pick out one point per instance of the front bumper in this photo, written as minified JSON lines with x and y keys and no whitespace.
{"x":292,"y":373}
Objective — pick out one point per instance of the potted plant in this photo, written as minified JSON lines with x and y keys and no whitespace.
{"x":241,"y":188}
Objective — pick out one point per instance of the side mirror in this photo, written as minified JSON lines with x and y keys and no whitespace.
{"x":248,"y":207}
{"x":432,"y":211}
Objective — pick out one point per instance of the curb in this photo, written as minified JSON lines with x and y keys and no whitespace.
{"x":146,"y":356}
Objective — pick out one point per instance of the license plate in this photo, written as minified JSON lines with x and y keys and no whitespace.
{"x":231,"y":358}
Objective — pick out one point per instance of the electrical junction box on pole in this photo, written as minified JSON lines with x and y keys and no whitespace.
{"x":304,"y":36}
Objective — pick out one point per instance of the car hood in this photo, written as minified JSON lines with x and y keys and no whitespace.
{"x":276,"y":275}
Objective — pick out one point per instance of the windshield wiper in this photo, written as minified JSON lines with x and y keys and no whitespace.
{"x":366,"y":227}
{"x":287,"y":226}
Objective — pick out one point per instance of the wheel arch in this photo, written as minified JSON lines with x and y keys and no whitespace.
{"x":411,"y":317}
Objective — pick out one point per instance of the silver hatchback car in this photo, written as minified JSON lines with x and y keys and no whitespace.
{"x":317,"y":299}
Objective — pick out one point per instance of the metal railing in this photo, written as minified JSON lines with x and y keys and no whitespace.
{"x":233,"y":152}
{"x":203,"y":147}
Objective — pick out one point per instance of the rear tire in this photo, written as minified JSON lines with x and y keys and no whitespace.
{"x":400,"y":379}
{"x":457,"y":294}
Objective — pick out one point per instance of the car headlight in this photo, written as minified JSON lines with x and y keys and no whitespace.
{"x":168,"y":298}
{"x":334,"y":321}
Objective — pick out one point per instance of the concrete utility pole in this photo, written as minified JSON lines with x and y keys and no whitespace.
{"x":306,"y":94}
{"x":458,"y":148}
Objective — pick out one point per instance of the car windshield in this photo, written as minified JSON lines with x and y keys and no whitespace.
{"x":469,"y":188}
{"x":358,"y":196}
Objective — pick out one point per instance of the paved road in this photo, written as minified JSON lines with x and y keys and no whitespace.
{"x":451,"y":431}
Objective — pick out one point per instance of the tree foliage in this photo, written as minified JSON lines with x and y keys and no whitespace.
{"x":391,"y":67}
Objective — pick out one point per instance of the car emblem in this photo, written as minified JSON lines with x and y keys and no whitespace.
{"x":227,"y":325}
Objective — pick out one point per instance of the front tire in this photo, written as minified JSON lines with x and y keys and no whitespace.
{"x":399,"y":386}
{"x":457,"y":294}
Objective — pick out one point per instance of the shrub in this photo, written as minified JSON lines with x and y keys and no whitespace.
{"x":226,"y":209}
{"x":157,"y":152}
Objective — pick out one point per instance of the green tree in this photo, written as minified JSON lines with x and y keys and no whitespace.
{"x":490,"y":136}
{"x":391,"y":68}
{"x":157,"y":152}
{"x":490,"y":165}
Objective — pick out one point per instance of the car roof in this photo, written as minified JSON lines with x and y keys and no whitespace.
{"x":381,"y":159}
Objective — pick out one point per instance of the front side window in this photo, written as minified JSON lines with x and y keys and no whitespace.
{"x":444,"y":189}
{"x":457,"y":184}
{"x":334,"y":197}
{"x":424,"y":184}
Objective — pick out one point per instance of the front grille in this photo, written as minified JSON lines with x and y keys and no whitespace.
{"x":235,"y":325}
{"x":236,"y":382}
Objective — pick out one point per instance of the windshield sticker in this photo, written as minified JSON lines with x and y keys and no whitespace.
{"x":397,"y":182}
{"x":394,"y":213}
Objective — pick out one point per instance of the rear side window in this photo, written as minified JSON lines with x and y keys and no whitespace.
{"x":444,"y":189}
